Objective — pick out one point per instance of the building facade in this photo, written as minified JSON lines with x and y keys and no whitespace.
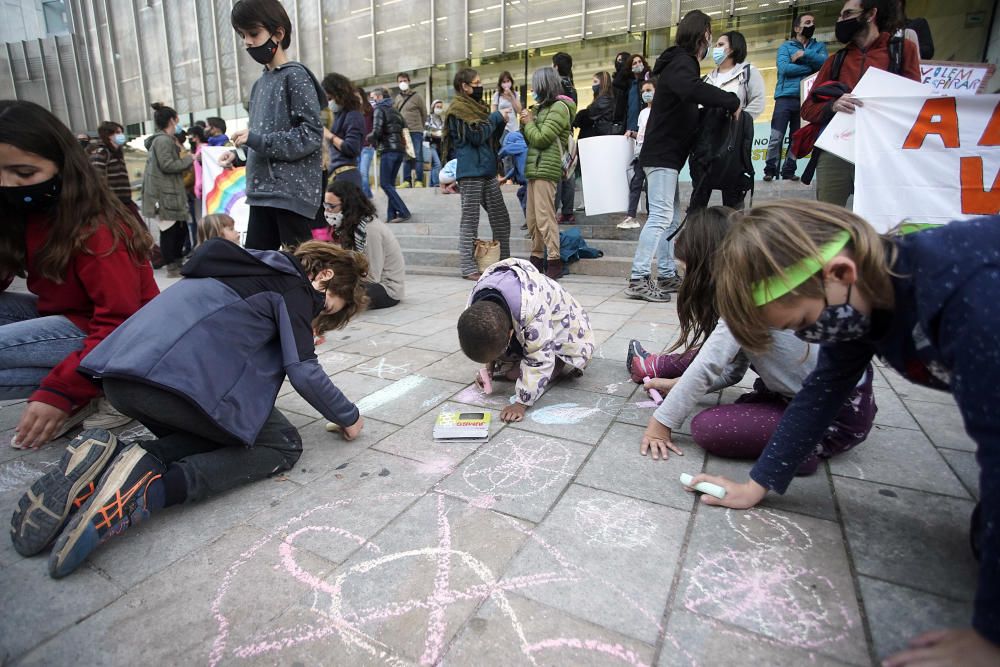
{"x":91,"y":60}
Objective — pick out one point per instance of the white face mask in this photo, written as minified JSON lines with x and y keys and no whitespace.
{"x":334,"y":219}
{"x":438,"y":111}
{"x":404,"y":86}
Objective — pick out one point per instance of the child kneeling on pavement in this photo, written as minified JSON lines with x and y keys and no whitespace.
{"x":520,"y":317}
{"x":200,"y":366}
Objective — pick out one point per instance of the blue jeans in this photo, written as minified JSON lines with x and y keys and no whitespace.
{"x":31,"y":346}
{"x":663,"y":198}
{"x":786,"y":115}
{"x":388,"y":169}
{"x":418,"y":159}
{"x":435,"y":167}
{"x":365,"y":167}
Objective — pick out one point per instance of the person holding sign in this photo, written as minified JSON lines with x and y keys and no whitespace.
{"x":925,"y":303}
{"x":865,"y":27}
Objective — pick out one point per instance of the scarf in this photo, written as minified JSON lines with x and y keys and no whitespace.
{"x":470,"y":113}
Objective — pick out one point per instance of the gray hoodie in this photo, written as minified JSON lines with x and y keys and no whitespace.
{"x":284,"y":160}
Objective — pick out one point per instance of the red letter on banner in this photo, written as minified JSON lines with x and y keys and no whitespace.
{"x":991,"y":135}
{"x":946,"y":126}
{"x":975,"y":199}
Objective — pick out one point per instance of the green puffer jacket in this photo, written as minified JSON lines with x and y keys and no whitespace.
{"x":163,"y":193}
{"x":544,"y":151}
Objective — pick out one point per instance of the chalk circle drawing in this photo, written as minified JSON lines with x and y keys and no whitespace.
{"x":610,"y":522}
{"x":382,"y":367}
{"x":518,"y":466}
{"x":763,"y":589}
{"x":343,"y":608}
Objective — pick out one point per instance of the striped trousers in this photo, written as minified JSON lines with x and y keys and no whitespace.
{"x":483,"y":192}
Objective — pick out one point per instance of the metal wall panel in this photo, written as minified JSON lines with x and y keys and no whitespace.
{"x":348,"y":38}
{"x":451,"y":42}
{"x":402,"y":35}
{"x":604,"y":18}
{"x":7,"y":90}
{"x":484,"y":27}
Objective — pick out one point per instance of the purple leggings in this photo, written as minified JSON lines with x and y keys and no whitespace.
{"x":742,"y":429}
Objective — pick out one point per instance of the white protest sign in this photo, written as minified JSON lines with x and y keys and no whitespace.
{"x":956,"y":78}
{"x":933,"y":159}
{"x":224,"y":190}
{"x":604,"y":162}
{"x":838,"y":135}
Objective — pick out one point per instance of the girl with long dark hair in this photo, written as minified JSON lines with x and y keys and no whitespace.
{"x":345,"y":137}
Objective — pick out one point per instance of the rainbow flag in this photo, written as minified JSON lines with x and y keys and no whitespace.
{"x":229,"y":187}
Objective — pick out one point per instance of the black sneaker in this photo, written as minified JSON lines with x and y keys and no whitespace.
{"x":768,"y":178}
{"x":45,"y":508}
{"x":667,"y":285}
{"x":130,"y":488}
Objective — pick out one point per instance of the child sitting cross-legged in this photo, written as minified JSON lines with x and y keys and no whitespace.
{"x":200,"y":366}
{"x":713,"y":359}
{"x":519,"y":317}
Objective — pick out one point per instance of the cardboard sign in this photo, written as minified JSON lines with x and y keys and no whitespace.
{"x":956,"y":78}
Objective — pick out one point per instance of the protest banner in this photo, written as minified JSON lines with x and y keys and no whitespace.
{"x":224,"y":190}
{"x":956,"y":78}
{"x":931,"y":159}
{"x":604,"y":163}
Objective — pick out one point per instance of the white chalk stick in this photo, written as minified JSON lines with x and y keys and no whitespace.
{"x":332,"y":428}
{"x":704,"y":487}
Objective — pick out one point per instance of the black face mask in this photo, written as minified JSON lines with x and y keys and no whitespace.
{"x":264,"y":53}
{"x":845,"y":31}
{"x":477,"y":93}
{"x":809,"y":31}
{"x":33,"y":198}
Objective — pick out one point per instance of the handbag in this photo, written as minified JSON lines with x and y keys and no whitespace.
{"x":408,"y":142}
{"x":486,"y":253}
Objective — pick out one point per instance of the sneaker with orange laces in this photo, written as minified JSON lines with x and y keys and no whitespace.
{"x":45,"y":508}
{"x":129,"y":490}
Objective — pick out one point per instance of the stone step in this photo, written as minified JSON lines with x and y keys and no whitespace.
{"x":519,"y":245}
{"x":449,"y":227}
{"x":419,"y":260}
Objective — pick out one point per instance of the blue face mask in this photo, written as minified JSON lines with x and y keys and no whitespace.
{"x":119,"y":139}
{"x":718,"y":55}
{"x":535,"y":97}
{"x":179,"y":129}
{"x":647,"y":96}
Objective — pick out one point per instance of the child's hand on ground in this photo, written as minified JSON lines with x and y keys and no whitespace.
{"x":513,"y":413}
{"x":351,"y":432}
{"x":39,"y":423}
{"x":662,"y":385}
{"x":738,"y":496}
{"x":962,"y":646}
{"x":657,"y":439}
{"x":239,"y":137}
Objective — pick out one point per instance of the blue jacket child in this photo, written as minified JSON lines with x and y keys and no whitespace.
{"x":201,"y":367}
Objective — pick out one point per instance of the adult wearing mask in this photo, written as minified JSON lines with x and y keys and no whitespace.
{"x":387,"y":137}
{"x":562,"y":63}
{"x":473,"y":132}
{"x":434,"y":131}
{"x":367,"y":149}
{"x":343,"y":139}
{"x":596,"y":119}
{"x":217,"y":132}
{"x":866,"y":27}
{"x":164,"y":197}
{"x":414,"y":111}
{"x":638,"y":71}
{"x":670,"y":135}
{"x":735,"y":75}
{"x":798,"y":58}
{"x":109,"y":161}
{"x":620,"y":85}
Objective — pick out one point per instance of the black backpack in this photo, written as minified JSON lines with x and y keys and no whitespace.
{"x":721,"y":157}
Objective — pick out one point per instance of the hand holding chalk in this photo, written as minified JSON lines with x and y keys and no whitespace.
{"x":484,"y":381}
{"x":655,"y":395}
{"x":703,"y":487}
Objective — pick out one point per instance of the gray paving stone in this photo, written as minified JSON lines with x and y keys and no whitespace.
{"x":580,"y":416}
{"x":616,"y":347}
{"x":600,"y":543}
{"x":944,"y":427}
{"x":353,"y":385}
{"x":392,"y":316}
{"x":426,"y":326}
{"x":892,"y":630}
{"x":660,"y":334}
{"x":657,"y":312}
{"x":965,"y":466}
{"x":891,"y":410}
{"x":455,"y":367}
{"x":379,"y":344}
{"x":777,"y":574}
{"x":445,"y":340}
{"x":498,"y":400}
{"x":398,"y":363}
{"x":545,"y":636}
{"x":617,"y":466}
{"x":909,"y":391}
{"x":323,"y":451}
{"x":811,"y":495}
{"x":605,"y":321}
{"x":404,"y":400}
{"x":336,"y":361}
{"x":618,"y":307}
{"x":590,"y":300}
{"x":517,"y":473}
{"x":900,"y":457}
{"x":416,"y":440}
{"x":44,"y":611}
{"x":603,"y":377}
{"x":699,"y":640}
{"x":911,"y":538}
{"x":357,"y":331}
{"x":637,"y":412}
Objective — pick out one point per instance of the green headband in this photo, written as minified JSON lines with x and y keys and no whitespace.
{"x":775,"y":287}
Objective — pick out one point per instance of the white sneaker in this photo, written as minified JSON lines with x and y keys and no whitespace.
{"x":106,"y":417}
{"x":629,"y":223}
{"x":72,"y":422}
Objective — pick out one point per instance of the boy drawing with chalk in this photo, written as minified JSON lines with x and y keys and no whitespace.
{"x":200,"y":366}
{"x":925,"y":301}
{"x":518,"y":316}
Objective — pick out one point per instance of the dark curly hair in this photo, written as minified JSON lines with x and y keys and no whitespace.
{"x":340,"y":88}
{"x":483,"y":331}
{"x":355,"y":206}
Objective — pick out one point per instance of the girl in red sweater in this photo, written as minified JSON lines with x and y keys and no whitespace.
{"x":86,"y":261}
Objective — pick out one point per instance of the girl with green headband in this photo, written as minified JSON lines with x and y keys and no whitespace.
{"x":926,"y":302}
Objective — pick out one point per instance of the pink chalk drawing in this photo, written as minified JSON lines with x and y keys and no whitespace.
{"x":614,"y":522}
{"x":473,"y":395}
{"x":518,"y":466}
{"x":344,"y":610}
{"x":764,"y":590}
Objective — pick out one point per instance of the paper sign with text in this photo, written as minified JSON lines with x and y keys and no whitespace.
{"x":933,"y":159}
{"x":956,"y":78}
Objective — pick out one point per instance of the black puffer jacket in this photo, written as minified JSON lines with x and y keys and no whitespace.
{"x":595,"y":120}
{"x":387,"y":128}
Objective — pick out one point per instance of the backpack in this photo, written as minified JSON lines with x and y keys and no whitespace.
{"x":721,"y":156}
